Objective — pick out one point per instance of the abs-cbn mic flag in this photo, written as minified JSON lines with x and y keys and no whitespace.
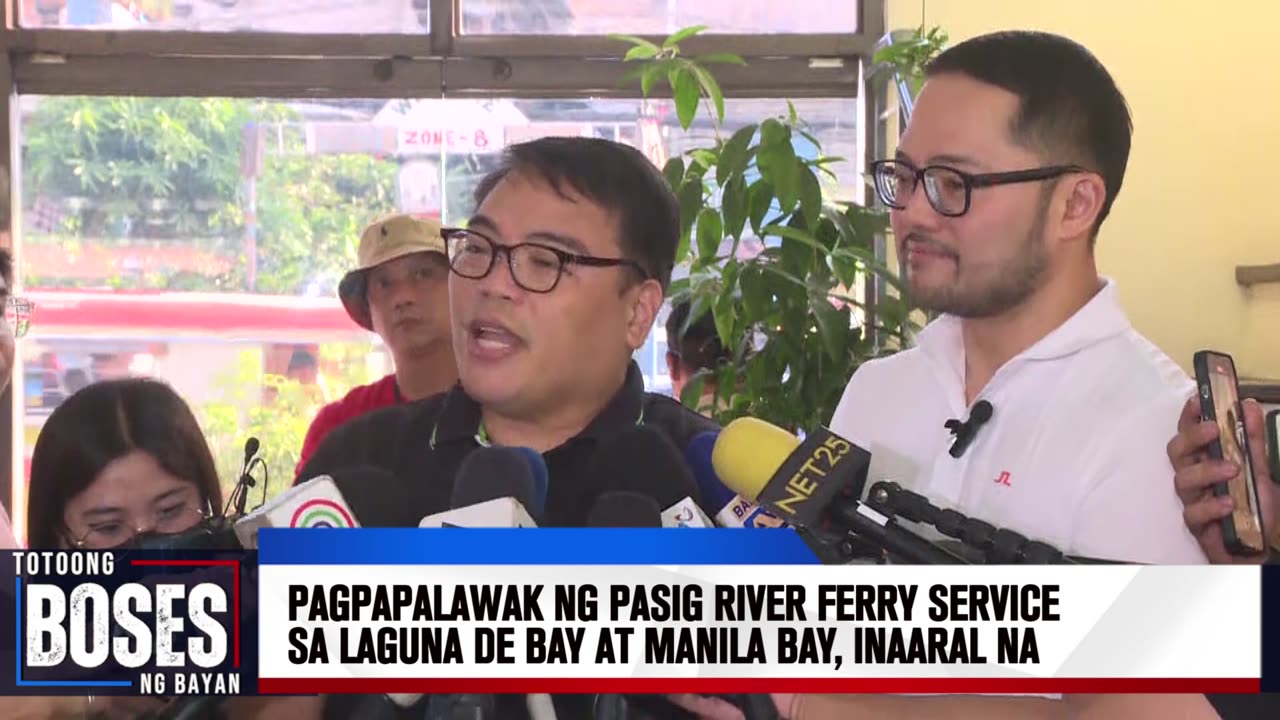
{"x":129,"y":622}
{"x":639,"y":610}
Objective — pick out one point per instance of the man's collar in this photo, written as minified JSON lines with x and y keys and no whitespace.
{"x":1099,"y":319}
{"x":460,"y":416}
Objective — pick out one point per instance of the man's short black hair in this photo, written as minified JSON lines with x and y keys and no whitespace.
{"x":698,"y":347}
{"x":616,"y":177}
{"x":6,"y":267}
{"x":1070,"y":107}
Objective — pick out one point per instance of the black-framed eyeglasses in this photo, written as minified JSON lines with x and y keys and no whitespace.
{"x":949,"y":190}
{"x":534,"y":266}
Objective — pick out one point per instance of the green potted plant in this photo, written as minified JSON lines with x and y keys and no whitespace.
{"x":904,"y":53}
{"x":792,"y":313}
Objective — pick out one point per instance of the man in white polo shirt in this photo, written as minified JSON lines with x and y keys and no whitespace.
{"x":1012,"y":159}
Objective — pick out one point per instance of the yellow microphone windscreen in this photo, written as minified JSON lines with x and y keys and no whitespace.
{"x":748,"y":452}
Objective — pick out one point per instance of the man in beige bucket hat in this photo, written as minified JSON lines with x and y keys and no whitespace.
{"x":399,"y":290}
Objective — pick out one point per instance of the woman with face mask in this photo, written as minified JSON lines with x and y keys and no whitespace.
{"x":116,"y":462}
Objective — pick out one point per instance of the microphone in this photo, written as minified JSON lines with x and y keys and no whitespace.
{"x":966,"y":431}
{"x":735,"y":511}
{"x":194,"y":708}
{"x":461,"y":707}
{"x":643,"y":461}
{"x":496,"y":487}
{"x":812,"y":484}
{"x":625,"y":510}
{"x":239,"y":497}
{"x":314,"y":503}
{"x":371,"y":494}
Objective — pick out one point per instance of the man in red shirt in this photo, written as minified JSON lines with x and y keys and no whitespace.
{"x":399,"y":290}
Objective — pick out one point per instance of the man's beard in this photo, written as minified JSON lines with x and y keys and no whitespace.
{"x":1008,"y":287}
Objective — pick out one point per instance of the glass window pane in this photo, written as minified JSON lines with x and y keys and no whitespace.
{"x":201,"y":240}
{"x":302,"y":16}
{"x":657,"y":17}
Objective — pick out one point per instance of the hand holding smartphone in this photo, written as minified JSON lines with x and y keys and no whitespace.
{"x":1242,"y":530}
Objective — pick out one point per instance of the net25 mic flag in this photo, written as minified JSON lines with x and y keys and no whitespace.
{"x":172,"y":623}
{"x":721,"y":611}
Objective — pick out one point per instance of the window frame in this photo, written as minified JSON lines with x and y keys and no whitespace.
{"x":441,"y":63}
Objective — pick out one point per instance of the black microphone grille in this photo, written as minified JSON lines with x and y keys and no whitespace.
{"x":490,"y":473}
{"x":981,"y":412}
{"x":624,"y":509}
{"x":643,"y":460}
{"x":251,"y":448}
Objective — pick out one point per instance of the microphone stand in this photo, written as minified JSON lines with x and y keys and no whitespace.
{"x":998,"y":546}
{"x":867,"y":523}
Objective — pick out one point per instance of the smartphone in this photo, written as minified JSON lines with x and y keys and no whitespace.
{"x":1242,"y":530}
{"x":1273,"y":442}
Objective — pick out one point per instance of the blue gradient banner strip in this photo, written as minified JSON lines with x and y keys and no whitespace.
{"x":524,"y":546}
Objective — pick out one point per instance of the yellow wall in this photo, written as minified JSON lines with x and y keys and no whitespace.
{"x":1202,"y":192}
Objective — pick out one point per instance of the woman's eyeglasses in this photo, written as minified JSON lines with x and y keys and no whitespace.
{"x":109,"y":534}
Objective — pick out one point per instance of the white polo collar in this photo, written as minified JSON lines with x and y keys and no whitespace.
{"x":1100,"y":318}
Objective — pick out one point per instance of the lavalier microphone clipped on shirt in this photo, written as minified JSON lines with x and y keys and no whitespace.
{"x":965,"y":431}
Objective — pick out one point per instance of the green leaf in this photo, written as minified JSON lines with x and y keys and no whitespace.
{"x":777,"y":163}
{"x":705,"y":158}
{"x":641,"y":52}
{"x":791,"y":112}
{"x":673,"y":171}
{"x":868,"y":262}
{"x":756,"y":297}
{"x":759,"y":200}
{"x":678,"y":290}
{"x":634,"y":40}
{"x":798,"y":255}
{"x":649,"y":75}
{"x":691,"y":200}
{"x":710,"y":233}
{"x":687,"y":97}
{"x":773,"y":132}
{"x":735,"y":154}
{"x":682,"y":34}
{"x":733,"y":203}
{"x":711,"y":88}
{"x":691,"y":395}
{"x":725,"y":312}
{"x":810,"y":195}
{"x":728,"y":58}
{"x":790,"y":285}
{"x":699,"y":305}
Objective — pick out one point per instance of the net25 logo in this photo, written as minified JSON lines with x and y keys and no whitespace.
{"x":105,"y":619}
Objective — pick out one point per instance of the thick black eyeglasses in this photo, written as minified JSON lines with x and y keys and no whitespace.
{"x":534,"y":266}
{"x":949,"y":190}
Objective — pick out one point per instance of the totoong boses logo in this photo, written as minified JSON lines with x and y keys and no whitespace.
{"x":129,"y":622}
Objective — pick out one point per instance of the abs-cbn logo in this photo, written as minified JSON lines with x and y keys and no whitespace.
{"x":97,"y":619}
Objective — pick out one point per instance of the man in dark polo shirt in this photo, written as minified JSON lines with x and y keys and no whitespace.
{"x":555,"y":283}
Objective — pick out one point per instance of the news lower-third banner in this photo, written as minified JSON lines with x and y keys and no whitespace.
{"x":732,"y":611}
{"x":166,"y":623}
{"x":616,"y":610}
